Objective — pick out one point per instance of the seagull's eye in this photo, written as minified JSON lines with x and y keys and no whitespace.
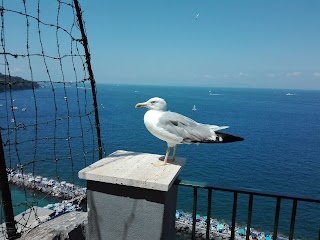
{"x":153,"y":102}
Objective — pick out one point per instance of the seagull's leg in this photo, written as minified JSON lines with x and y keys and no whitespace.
{"x":165,"y":161}
{"x":167,"y":155}
{"x":173,"y":154}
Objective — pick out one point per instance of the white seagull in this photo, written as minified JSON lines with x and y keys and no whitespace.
{"x":175,"y":128}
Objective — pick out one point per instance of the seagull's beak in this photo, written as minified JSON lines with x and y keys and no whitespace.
{"x":139,"y":105}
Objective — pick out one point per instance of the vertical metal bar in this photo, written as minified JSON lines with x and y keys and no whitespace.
{"x":195,"y":199}
{"x":6,"y":196}
{"x":293,"y":218}
{"x":91,"y":77}
{"x":209,"y":214}
{"x":276,"y":219}
{"x":249,"y":216}
{"x":234,"y":214}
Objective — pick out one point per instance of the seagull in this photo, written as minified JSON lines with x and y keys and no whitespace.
{"x":197,"y":16}
{"x":175,"y":128}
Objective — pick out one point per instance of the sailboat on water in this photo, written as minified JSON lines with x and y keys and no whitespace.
{"x":194,"y":108}
{"x":24,"y":108}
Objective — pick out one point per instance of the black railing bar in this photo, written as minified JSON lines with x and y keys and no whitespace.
{"x":256,"y":192}
{"x":276,"y":219}
{"x":194,"y":220}
{"x":234,"y":214}
{"x":249,"y":216}
{"x":293,"y":218}
{"x":209,"y":214}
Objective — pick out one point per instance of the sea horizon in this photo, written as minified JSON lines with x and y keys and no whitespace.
{"x":206,"y":86}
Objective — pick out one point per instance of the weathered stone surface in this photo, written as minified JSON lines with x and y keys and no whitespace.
{"x":30,"y":218}
{"x":133,"y":169}
{"x":67,"y":226}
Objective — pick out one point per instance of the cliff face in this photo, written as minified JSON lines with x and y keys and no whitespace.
{"x":16,"y":83}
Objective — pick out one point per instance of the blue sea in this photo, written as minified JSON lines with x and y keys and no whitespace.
{"x":280,"y":152}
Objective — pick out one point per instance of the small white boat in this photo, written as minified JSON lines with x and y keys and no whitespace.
{"x":290,"y":94}
{"x":194,"y":108}
{"x":213,"y":94}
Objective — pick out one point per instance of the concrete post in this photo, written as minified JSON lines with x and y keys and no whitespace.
{"x":129,"y":198}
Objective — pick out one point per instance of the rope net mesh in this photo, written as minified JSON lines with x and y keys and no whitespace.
{"x":49,"y":128}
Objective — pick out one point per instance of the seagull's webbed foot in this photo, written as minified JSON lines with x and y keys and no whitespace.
{"x":165,"y":159}
{"x":169,"y":160}
{"x":159,"y":164}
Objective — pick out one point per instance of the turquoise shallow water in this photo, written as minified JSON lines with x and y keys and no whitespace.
{"x":280,"y":152}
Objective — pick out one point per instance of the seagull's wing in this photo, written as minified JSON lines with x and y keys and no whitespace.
{"x":187,"y":129}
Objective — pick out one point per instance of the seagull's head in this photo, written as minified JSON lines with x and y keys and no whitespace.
{"x":155,"y":103}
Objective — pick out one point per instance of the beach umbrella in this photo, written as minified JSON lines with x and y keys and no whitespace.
{"x":241,"y":231}
{"x":254,"y":235}
{"x":220,"y":226}
{"x":268,"y":238}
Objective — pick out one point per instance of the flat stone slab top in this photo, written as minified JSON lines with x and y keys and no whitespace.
{"x":30,"y":219}
{"x":70,"y":225}
{"x":133,"y":169}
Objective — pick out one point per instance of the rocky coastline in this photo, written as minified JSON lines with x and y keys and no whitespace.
{"x":16,"y":83}
{"x":73,"y":196}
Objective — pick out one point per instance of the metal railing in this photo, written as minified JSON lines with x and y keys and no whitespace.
{"x":251,"y":194}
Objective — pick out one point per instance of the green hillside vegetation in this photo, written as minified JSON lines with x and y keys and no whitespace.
{"x":16,"y":83}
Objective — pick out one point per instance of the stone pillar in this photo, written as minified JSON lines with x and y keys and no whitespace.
{"x":129,"y":198}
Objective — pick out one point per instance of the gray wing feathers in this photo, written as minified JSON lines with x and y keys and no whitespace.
{"x":188,"y":129}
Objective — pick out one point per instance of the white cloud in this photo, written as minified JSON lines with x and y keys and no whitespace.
{"x":316,"y":74}
{"x":241,"y":74}
{"x":271,"y":75}
{"x":294,"y":74}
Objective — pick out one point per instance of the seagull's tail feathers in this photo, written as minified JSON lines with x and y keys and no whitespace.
{"x":219,"y":137}
{"x":226,"y":138}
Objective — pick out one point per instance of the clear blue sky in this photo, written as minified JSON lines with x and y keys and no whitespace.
{"x":249,"y":43}
{"x":239,"y":43}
